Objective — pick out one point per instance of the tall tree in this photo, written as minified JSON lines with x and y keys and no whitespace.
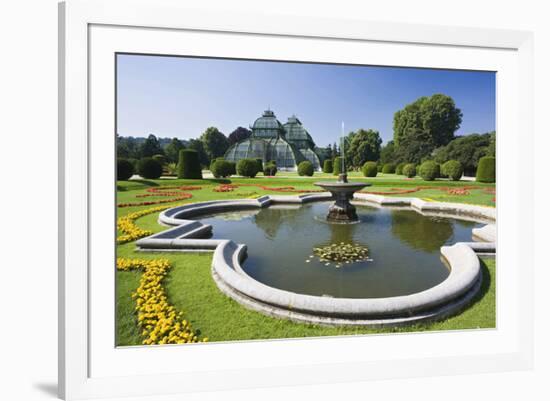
{"x":433,"y":120}
{"x":364,"y":146}
{"x":215,"y":143}
{"x":172,"y":150}
{"x":467,"y":150}
{"x":387,"y":153}
{"x":150,"y":147}
{"x":239,"y":134}
{"x":197,"y":145}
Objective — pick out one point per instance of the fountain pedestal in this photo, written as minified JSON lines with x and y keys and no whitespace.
{"x":342,"y":191}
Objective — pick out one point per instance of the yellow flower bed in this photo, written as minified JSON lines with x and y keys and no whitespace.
{"x":159,"y":321}
{"x":130,"y":230}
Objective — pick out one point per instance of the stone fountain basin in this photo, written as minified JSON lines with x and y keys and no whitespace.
{"x":335,"y":186}
{"x":435,"y":303}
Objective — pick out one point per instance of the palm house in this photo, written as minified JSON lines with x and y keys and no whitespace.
{"x":287,"y":144}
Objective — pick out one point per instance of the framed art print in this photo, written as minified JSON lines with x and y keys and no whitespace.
{"x":265,"y":200}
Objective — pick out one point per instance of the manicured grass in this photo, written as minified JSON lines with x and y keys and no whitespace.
{"x":190,"y":287}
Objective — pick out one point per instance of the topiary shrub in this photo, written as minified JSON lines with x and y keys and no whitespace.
{"x":189,"y":165}
{"x":379,"y":167}
{"x":270,"y":168}
{"x":124,"y":169}
{"x":327,"y":166}
{"x":452,"y":169}
{"x":260,"y":164}
{"x":486,"y":169}
{"x":222,"y":168}
{"x":429,"y":170}
{"x":399,"y":168}
{"x":161,"y":159}
{"x":409,"y":170}
{"x":247,"y":167}
{"x":389,"y":168}
{"x":305,"y":168}
{"x":370,"y":169}
{"x":337,"y":165}
{"x":149,"y":168}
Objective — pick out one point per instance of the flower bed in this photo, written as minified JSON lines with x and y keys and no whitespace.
{"x":130,"y":230}
{"x":163,"y":191}
{"x":159,"y":321}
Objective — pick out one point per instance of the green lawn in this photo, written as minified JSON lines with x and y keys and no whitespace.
{"x":191,"y":289}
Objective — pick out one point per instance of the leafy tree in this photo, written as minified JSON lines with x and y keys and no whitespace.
{"x":172,"y":150}
{"x":150,"y":147}
{"x":214,"y":142}
{"x":364,"y":145}
{"x":467,"y":150}
{"x":127,"y":147}
{"x":431,"y":120}
{"x":387,"y":153}
{"x":413,"y":148}
{"x":238,"y":135}
{"x":196,"y":144}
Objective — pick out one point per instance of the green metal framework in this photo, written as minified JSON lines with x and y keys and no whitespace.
{"x":287,"y":145}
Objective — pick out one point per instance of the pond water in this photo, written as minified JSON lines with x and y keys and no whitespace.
{"x":403,"y":248}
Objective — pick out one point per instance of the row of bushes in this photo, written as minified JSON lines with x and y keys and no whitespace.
{"x":430,"y":170}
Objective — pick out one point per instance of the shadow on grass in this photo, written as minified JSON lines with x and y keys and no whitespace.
{"x":485,"y":285}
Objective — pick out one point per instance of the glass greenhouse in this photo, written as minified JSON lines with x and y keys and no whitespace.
{"x":287,"y":145}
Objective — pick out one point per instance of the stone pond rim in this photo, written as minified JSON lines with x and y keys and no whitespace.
{"x":342,"y":191}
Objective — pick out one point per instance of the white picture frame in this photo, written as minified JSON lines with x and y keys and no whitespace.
{"x":92,"y":31}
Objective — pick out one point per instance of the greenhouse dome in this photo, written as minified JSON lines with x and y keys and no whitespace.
{"x":287,"y":145}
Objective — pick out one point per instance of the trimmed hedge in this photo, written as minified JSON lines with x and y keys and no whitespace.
{"x":327,"y":166}
{"x":247,"y":167}
{"x":486,"y":169}
{"x":370,"y":169}
{"x":270,"y":168}
{"x":399,"y":168}
{"x":222,"y":168}
{"x":452,"y":169}
{"x":189,"y":165}
{"x":429,"y":170}
{"x":389,"y":168}
{"x":337,"y":165}
{"x":124,"y":169}
{"x":149,"y":168}
{"x":409,"y":170}
{"x":305,"y":168}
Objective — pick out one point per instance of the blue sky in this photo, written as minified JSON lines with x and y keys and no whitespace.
{"x":181,"y":97}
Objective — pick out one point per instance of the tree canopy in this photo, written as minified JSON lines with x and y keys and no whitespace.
{"x":364,"y":145}
{"x":467,"y":150}
{"x":426,"y":124}
{"x":197,"y":145}
{"x":172,"y":150}
{"x":151,"y":147}
{"x":214,"y":142}
{"x":239,"y":134}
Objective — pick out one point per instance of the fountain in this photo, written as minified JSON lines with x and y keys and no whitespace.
{"x":342,"y":211}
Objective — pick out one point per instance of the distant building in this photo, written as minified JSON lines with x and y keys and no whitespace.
{"x":287,"y":144}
